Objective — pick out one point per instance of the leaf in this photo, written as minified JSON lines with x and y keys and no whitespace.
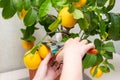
{"x":27,"y":4}
{"x":93,"y":23}
{"x":46,"y":22}
{"x":114,"y":28}
{"x":45,"y":8}
{"x":105,"y":69}
{"x":98,"y":44}
{"x":30,"y":17}
{"x":101,"y":3}
{"x":89,"y":60}
{"x":58,"y":4}
{"x":73,"y":0}
{"x":99,"y":59}
{"x":18,"y":4}
{"x":102,"y":28}
{"x":110,"y":5}
{"x":111,"y":66}
{"x":8,"y":10}
{"x":108,"y":55}
{"x":54,"y":25}
{"x":28,"y":32}
{"x":78,"y":14}
{"x":36,"y":3}
{"x":109,"y":47}
{"x":2,"y":3}
{"x":83,"y":23}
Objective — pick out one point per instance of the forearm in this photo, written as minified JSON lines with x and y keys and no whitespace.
{"x":72,"y":69}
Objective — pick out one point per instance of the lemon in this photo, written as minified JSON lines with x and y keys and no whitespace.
{"x":80,"y":3}
{"x":67,"y":18}
{"x":98,"y":74}
{"x":32,"y":61}
{"x":23,"y":14}
{"x":27,"y":45}
{"x":43,"y":51}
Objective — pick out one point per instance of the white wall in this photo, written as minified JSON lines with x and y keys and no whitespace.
{"x":11,"y":51}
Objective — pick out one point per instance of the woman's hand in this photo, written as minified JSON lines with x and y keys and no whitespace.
{"x":49,"y":69}
{"x":74,"y":47}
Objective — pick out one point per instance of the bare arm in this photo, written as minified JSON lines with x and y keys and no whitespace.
{"x":73,"y":52}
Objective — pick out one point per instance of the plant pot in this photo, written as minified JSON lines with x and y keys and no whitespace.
{"x":32,"y":74}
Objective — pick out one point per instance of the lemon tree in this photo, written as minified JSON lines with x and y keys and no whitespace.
{"x":94,"y":17}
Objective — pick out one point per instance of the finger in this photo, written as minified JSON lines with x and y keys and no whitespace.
{"x":47,"y":58}
{"x":59,"y":57}
{"x":90,"y":46}
{"x":84,"y":42}
{"x":77,"y":39}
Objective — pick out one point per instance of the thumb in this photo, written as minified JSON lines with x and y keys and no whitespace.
{"x":90,"y":46}
{"x":59,"y":56}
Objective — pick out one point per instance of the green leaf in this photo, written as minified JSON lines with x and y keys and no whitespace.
{"x":8,"y":10}
{"x":78,"y":14}
{"x":46,"y":22}
{"x":45,"y":8}
{"x":98,"y":43}
{"x":93,"y":23}
{"x":109,"y":47}
{"x":28,"y":32}
{"x":108,"y":55}
{"x":58,"y":4}
{"x":53,"y":27}
{"x":18,"y":4}
{"x":83,"y":23}
{"x":30,"y":17}
{"x":110,"y":5}
{"x":111,"y":66}
{"x":89,"y":60}
{"x":114,"y":27}
{"x":73,"y":0}
{"x":3,"y":3}
{"x":105,"y":69}
{"x":36,"y":3}
{"x":101,"y":3}
{"x":27,"y":4}
{"x":99,"y":59}
{"x":102,"y":27}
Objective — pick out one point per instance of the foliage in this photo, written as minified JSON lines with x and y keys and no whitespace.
{"x":94,"y":18}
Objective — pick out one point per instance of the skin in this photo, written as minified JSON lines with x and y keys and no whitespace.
{"x":48,"y":69}
{"x":71,"y":55}
{"x":73,"y":52}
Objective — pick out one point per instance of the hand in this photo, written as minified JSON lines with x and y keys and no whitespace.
{"x":74,"y":47}
{"x":48,"y":69}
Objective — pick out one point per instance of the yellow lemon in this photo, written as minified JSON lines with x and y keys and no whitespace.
{"x":32,"y":61}
{"x":43,"y":51}
{"x":98,"y":74}
{"x":80,"y":3}
{"x":67,"y":18}
{"x":23,"y":14}
{"x":27,"y":45}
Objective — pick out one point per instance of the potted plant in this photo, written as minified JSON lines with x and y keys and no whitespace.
{"x":93,"y":17}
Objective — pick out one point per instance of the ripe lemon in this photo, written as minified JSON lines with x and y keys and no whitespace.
{"x":98,"y":74}
{"x":27,"y":45}
{"x":32,"y":61}
{"x":23,"y":14}
{"x":43,"y":51}
{"x":67,"y":18}
{"x":80,"y":3}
